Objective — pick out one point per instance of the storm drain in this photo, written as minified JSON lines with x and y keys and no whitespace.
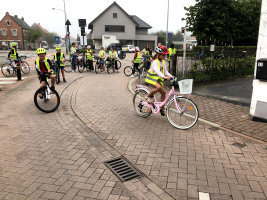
{"x":239,"y":145}
{"x":123,"y":169}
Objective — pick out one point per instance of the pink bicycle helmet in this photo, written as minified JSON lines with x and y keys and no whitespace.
{"x":89,"y":47}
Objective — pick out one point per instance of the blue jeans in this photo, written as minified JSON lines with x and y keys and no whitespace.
{"x":74,"y":60}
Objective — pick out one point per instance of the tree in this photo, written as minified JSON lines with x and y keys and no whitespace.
{"x":178,"y":36}
{"x":223,"y":20}
{"x":50,"y":38}
{"x":33,"y":35}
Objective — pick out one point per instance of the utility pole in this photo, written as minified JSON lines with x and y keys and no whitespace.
{"x":167,"y":25}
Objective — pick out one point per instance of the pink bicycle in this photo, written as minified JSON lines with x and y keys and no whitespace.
{"x":181,"y":112}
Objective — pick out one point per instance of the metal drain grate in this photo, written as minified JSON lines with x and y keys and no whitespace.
{"x":239,"y":145}
{"x":123,"y":169}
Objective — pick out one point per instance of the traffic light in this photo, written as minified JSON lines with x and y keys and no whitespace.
{"x":82,"y":31}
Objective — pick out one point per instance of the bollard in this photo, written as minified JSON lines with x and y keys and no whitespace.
{"x":18,"y":72}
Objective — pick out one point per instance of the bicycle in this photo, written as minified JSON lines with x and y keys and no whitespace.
{"x":128,"y":70}
{"x":143,"y":70}
{"x":111,"y":66}
{"x":118,"y":63}
{"x":83,"y":64}
{"x":49,"y":101}
{"x":197,"y":55}
{"x":57,"y":70}
{"x":8,"y":69}
{"x":182,"y":112}
{"x":98,"y":66}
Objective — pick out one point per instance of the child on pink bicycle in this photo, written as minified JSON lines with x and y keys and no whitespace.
{"x":156,"y":74}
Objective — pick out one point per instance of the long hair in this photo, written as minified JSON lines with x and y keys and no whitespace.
{"x":147,"y":47}
{"x":172,"y":45}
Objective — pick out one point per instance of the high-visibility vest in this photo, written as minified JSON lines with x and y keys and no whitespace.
{"x":138,"y":58}
{"x":115,"y":55}
{"x":89,"y":56}
{"x":46,"y":64}
{"x":73,"y":51}
{"x":172,"y":51}
{"x":14,"y":56}
{"x":146,"y":52}
{"x":61,"y":59}
{"x":153,"y":78}
{"x":101,"y":54}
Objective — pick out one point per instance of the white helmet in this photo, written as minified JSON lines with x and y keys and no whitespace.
{"x":89,"y":47}
{"x":136,"y":48}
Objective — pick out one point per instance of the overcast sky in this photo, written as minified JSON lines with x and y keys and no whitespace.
{"x":153,"y":12}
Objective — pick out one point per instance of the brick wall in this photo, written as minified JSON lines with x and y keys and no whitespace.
{"x":9,"y":36}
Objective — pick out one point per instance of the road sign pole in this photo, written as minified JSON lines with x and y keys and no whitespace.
{"x":184,"y":53}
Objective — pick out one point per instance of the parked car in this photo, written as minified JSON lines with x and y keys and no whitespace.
{"x":128,"y":48}
{"x":118,"y":46}
{"x":46,"y":47}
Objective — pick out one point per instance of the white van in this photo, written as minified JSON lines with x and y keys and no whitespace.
{"x":128,"y":48}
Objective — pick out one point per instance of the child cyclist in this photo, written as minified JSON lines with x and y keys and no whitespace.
{"x":156,"y":74}
{"x":59,"y":56}
{"x":13,"y":54}
{"x":137,"y":60}
{"x":43,"y":65}
{"x":113,"y":55}
{"x":90,"y":57}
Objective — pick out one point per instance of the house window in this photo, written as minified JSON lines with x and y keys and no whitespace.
{"x":14,"y":32}
{"x":3,"y":32}
{"x":8,"y":23}
{"x":109,"y":28}
{"x":114,"y":15}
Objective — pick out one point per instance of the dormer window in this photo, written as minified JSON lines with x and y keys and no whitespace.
{"x":115,"y":15}
{"x":8,"y":23}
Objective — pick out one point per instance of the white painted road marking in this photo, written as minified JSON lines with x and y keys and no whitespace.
{"x":204,"y":196}
{"x":6,"y":82}
{"x":10,"y":79}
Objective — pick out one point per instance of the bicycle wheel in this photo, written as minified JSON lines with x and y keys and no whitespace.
{"x":67,"y":66}
{"x":119,"y":64}
{"x":110,"y":69}
{"x":141,"y":110}
{"x":128,"y":71}
{"x":25,"y":67}
{"x":81,"y":67}
{"x":57,"y":75}
{"x":7,"y":70}
{"x":189,"y":116}
{"x":46,"y":104}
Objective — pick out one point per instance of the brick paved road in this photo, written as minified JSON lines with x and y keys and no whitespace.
{"x":60,"y":155}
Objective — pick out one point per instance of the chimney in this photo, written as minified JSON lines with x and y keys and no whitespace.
{"x":22,"y":18}
{"x":39,"y":24}
{"x":7,"y":13}
{"x":16,"y":16}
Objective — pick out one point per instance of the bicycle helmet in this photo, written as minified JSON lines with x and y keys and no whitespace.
{"x":136,"y":48}
{"x":13,"y":44}
{"x":58,"y":48}
{"x":162,"y":50}
{"x":40,"y":51}
{"x":88,"y":47}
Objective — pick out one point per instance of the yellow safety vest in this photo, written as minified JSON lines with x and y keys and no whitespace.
{"x":101,"y":54}
{"x":115,"y":55}
{"x":146,"y":52}
{"x":153,"y":78}
{"x":46,"y":64}
{"x":73,"y":51}
{"x":14,"y":56}
{"x":89,"y":56}
{"x":172,"y":51}
{"x":61,"y":58}
{"x":138,"y":58}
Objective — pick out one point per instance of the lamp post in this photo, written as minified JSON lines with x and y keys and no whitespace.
{"x":167,"y":25}
{"x":65,"y":20}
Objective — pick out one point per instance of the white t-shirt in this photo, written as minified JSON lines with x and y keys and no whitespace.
{"x":155,"y":68}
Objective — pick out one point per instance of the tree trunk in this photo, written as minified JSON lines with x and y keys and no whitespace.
{"x":232,"y":43}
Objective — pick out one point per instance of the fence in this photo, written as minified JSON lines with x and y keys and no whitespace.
{"x":206,"y":66}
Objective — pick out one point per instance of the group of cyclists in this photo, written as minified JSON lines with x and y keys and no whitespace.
{"x":155,"y":76}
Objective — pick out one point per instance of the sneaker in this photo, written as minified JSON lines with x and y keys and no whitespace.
{"x":41,"y":96}
{"x":53,"y":88}
{"x":64,"y":80}
{"x":72,"y":71}
{"x":59,"y":81}
{"x":76,"y":70}
{"x":132,"y":76}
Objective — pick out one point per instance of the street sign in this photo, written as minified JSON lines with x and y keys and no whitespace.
{"x":169,"y":35}
{"x":83,"y":40}
{"x":212,"y":47}
{"x":183,"y":29}
{"x":57,"y":39}
{"x":82,"y":22}
{"x":67,"y":22}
